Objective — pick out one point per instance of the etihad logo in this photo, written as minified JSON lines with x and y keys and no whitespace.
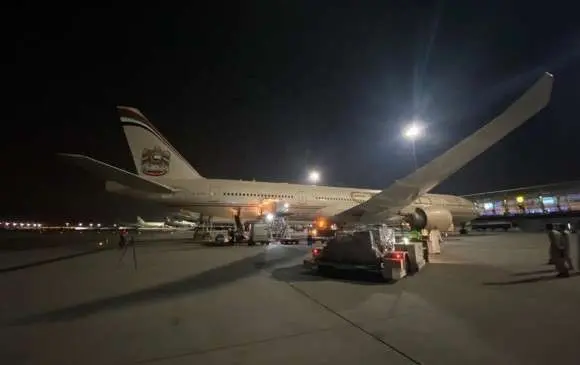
{"x":360,"y":197}
{"x":155,"y":161}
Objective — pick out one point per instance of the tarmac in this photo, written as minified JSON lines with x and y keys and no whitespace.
{"x":489,"y":298}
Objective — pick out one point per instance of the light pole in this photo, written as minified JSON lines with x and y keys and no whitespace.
{"x":412,"y":132}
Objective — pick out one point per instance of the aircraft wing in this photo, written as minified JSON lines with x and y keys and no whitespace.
{"x":112,"y":173}
{"x":403,"y":192}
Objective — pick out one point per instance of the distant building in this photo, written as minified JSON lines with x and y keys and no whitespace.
{"x":540,"y":199}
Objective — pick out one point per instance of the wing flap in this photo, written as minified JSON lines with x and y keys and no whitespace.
{"x":112,"y":173}
{"x":403,"y":192}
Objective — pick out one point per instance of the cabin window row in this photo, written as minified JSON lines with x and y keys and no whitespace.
{"x":332,"y":198}
{"x":260,"y":195}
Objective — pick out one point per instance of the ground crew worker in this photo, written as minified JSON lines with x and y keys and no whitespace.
{"x":435,"y":239}
{"x":123,"y":238}
{"x":309,"y":239}
{"x":578,"y":245}
{"x":557,"y":252}
{"x":565,"y":246}
{"x":425,"y":240}
{"x":553,"y":237}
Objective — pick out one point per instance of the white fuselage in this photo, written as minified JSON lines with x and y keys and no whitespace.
{"x":224,"y":198}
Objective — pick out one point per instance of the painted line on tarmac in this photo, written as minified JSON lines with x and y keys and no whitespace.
{"x":51,"y":260}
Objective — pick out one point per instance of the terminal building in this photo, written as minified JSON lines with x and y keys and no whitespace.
{"x":539,"y":200}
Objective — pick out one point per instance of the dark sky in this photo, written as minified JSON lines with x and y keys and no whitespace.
{"x":267,"y":89}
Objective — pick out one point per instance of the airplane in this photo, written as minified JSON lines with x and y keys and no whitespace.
{"x":143,"y":224}
{"x":172,"y":222}
{"x":168,"y":224}
{"x":165,"y":176}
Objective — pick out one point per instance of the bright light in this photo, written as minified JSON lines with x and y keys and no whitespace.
{"x":90,"y":224}
{"x":314,"y":176}
{"x":520,"y":199}
{"x":269,"y":217}
{"x":98,"y":224}
{"x":413,"y":131}
{"x":286,"y":205}
{"x":80,"y":224}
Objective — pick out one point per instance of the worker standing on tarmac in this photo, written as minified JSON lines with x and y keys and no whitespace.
{"x":578,"y":245}
{"x":425,"y":240}
{"x":435,"y":239}
{"x":553,"y":237}
{"x":556,"y":250}
{"x":565,"y":246}
{"x":309,"y":239}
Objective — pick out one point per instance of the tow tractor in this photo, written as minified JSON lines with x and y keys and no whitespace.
{"x":376,"y":249}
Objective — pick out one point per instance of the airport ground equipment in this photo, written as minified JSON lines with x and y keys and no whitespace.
{"x":260,"y":233}
{"x":126,"y":240}
{"x":373,"y":249}
{"x":214,"y":233}
{"x":277,"y":230}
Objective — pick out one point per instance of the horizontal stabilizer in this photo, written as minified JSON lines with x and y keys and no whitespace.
{"x":112,"y":173}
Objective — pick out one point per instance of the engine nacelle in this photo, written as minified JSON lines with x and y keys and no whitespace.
{"x":430,"y":218}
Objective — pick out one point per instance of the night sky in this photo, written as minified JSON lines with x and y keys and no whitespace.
{"x":268,"y":89}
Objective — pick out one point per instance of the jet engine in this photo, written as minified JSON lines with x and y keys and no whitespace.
{"x":430,"y":218}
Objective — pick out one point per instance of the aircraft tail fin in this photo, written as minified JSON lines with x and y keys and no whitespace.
{"x":155,"y":158}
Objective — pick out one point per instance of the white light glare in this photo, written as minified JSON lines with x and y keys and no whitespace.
{"x":413,"y":131}
{"x":314,"y":176}
{"x":269,"y":217}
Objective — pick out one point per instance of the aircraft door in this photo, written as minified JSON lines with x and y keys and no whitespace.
{"x":301,"y":198}
{"x":214,"y":193}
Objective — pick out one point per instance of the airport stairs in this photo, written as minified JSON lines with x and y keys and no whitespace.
{"x":278,"y":227}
